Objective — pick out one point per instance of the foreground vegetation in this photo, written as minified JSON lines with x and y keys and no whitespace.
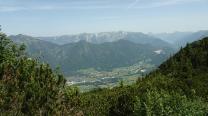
{"x":28,"y":87}
{"x":178,"y":87}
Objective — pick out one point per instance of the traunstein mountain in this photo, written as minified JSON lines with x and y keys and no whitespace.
{"x":97,"y":38}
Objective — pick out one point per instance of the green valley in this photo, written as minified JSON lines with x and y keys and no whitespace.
{"x":89,"y":79}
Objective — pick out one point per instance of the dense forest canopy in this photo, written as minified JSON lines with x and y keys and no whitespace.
{"x":28,"y":87}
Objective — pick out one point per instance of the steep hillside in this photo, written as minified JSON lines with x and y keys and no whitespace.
{"x":190,"y":65}
{"x":36,"y":48}
{"x":178,"y":87}
{"x":194,"y":57}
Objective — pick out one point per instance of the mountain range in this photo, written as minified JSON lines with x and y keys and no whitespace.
{"x":97,"y":38}
{"x":105,"y":56}
{"x":175,"y":40}
{"x":105,"y":51}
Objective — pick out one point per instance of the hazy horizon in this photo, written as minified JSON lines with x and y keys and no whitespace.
{"x":68,"y":17}
{"x":147,"y":33}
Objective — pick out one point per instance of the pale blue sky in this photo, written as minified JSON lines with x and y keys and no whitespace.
{"x":58,"y":17}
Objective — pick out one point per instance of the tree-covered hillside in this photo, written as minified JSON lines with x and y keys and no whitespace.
{"x":178,"y":87}
{"x":28,"y":87}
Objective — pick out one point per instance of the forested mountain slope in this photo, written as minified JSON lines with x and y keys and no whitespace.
{"x":38,"y":49}
{"x":178,"y":87}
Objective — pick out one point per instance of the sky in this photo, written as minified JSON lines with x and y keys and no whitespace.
{"x":64,"y":17}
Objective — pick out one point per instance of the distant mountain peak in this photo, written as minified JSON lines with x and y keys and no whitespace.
{"x":102,"y":37}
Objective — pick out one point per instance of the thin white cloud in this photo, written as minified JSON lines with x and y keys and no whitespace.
{"x":106,"y":18}
{"x":10,"y":9}
{"x":84,"y":5}
{"x":50,"y":8}
{"x":160,"y":3}
{"x":64,"y":5}
{"x":133,"y":4}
